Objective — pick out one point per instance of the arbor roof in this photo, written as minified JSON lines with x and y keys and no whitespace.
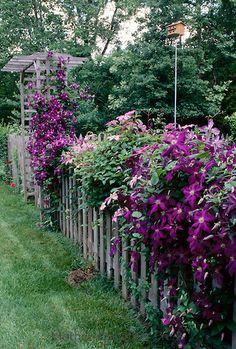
{"x":27,"y":63}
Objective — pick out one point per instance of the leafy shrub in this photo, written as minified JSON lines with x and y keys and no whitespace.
{"x":100,"y":164}
{"x":232,"y":123}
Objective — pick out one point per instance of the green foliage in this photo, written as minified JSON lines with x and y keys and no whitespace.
{"x":232,"y":123}
{"x":88,"y":118}
{"x":62,"y":26}
{"x":142,"y":76}
{"x":102,"y":170}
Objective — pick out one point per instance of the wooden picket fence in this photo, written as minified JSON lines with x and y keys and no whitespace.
{"x":19,"y":160}
{"x":93,"y":230}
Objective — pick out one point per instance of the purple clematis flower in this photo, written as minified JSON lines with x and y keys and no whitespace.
{"x":202,"y":221}
{"x":192,"y":193}
{"x":200,"y":267}
{"x":157,"y":203}
{"x":158,"y":234}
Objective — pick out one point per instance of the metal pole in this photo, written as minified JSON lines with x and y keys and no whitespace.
{"x":176,"y":72}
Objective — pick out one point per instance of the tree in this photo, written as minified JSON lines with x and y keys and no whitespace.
{"x":61,"y":25}
{"x":141,"y":77}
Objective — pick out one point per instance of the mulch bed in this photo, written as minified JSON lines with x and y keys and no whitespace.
{"x":76,"y":277}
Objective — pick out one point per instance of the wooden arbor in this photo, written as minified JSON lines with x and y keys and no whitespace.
{"x":34,"y":69}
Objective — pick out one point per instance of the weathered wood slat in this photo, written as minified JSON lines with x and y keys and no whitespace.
{"x":67,"y":206}
{"x":153,"y":291}
{"x":63,"y":205}
{"x":90,"y":232}
{"x":134,"y":274}
{"x":116,"y":259}
{"x":142,"y":280}
{"x":96,"y":238}
{"x":125,"y":259}
{"x":79,"y":218}
{"x":101,"y":246}
{"x":108,"y":233}
{"x":70,"y":211}
{"x":74,"y":210}
{"x":85,"y":232}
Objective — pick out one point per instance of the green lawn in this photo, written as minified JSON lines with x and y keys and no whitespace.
{"x":38,"y":309}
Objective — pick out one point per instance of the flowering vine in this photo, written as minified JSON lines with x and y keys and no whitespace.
{"x":52,"y":127}
{"x":181,"y":207}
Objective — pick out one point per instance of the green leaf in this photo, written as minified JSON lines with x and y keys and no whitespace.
{"x":188,"y":346}
{"x":217,"y":329}
{"x":231,"y":326}
{"x":137,"y":214}
{"x":136,"y":235}
{"x":154,"y":178}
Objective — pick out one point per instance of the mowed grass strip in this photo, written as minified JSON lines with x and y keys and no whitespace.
{"x":38,"y":309}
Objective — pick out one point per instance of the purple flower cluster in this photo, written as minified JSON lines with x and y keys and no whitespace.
{"x":51,"y":131}
{"x":182,"y":207}
{"x":52,"y":127}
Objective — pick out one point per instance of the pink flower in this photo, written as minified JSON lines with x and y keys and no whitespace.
{"x":113,"y":138}
{"x":131,"y":113}
{"x":123,"y":118}
{"x":112,"y":123}
{"x":108,"y":200}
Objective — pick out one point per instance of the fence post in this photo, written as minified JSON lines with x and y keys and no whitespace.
{"x":96,"y":242}
{"x":85,"y":230}
{"x":143,"y":275}
{"x":90,"y":232}
{"x":125,"y":259}
{"x":108,"y":244}
{"x":116,"y":260}
{"x":80,"y":229}
{"x":70,"y":208}
{"x":63,"y":205}
{"x":101,"y":246}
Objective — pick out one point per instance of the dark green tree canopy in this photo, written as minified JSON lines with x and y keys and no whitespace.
{"x":141,"y":75}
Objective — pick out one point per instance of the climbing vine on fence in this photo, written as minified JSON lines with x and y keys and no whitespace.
{"x":181,"y":205}
{"x":178,"y":200}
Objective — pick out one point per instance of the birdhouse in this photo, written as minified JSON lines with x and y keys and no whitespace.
{"x":176,"y":29}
